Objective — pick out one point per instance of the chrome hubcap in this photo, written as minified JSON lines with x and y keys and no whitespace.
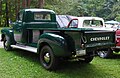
{"x":6,"y":41}
{"x":47,"y":57}
{"x":102,"y":53}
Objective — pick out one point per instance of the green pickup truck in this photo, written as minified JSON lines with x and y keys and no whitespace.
{"x":37,"y":31}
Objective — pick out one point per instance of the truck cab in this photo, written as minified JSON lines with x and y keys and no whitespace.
{"x":32,"y":18}
{"x":37,"y":31}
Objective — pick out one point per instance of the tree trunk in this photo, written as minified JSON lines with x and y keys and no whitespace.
{"x":0,"y":12}
{"x":9,"y":10}
{"x":41,"y":3}
{"x":16,"y":8}
{"x":18,"y":5}
{"x":24,"y":3}
{"x":7,"y":16}
{"x":0,"y":7}
{"x":28,"y":3}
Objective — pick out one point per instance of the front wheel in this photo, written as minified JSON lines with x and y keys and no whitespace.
{"x":47,"y":58}
{"x":6,"y":43}
{"x":106,"y":53}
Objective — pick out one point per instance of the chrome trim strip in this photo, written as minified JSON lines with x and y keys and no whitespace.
{"x":27,"y":48}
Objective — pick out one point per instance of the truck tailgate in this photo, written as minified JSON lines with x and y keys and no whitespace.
{"x":99,"y":39}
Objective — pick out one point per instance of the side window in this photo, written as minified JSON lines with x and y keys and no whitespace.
{"x":20,"y":16}
{"x":35,"y":37}
{"x":92,"y":23}
{"x":86,"y":23}
{"x":73,"y":23}
{"x":42,"y":16}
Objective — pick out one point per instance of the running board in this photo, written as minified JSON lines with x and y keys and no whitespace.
{"x":27,"y":48}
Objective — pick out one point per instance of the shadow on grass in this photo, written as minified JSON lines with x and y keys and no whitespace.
{"x":82,"y":70}
{"x":71,"y":69}
{"x":32,"y":57}
{"x":115,"y":56}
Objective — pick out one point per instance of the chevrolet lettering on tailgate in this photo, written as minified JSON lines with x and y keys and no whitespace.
{"x":100,"y":38}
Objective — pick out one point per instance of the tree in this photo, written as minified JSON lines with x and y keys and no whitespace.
{"x":0,"y":12}
{"x":115,"y":11}
{"x":60,"y":6}
{"x":107,"y":9}
{"x":26,"y":3}
{"x":41,"y":3}
{"x":7,"y":16}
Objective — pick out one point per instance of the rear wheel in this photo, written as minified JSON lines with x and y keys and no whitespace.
{"x":106,"y":53}
{"x":48,"y":59}
{"x":6,"y":43}
{"x":117,"y":50}
{"x":88,"y":59}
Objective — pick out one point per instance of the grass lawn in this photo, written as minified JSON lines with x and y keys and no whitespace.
{"x":22,"y":64}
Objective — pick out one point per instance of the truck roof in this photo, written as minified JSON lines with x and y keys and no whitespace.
{"x":39,"y":10}
{"x":88,"y":18}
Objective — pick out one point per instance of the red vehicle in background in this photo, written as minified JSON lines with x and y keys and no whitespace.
{"x":117,"y":48}
{"x":115,"y":27}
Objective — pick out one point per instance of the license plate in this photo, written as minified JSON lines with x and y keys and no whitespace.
{"x":80,"y":52}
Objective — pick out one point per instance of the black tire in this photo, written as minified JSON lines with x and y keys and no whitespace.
{"x":106,"y":53}
{"x":117,"y":50}
{"x":48,"y":59}
{"x":88,"y":59}
{"x":6,"y":43}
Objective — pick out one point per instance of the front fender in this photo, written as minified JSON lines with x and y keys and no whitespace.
{"x":9,"y":33}
{"x":57,"y":42}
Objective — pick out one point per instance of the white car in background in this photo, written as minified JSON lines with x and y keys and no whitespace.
{"x":112,"y":24}
{"x":96,"y":23}
{"x":87,"y":22}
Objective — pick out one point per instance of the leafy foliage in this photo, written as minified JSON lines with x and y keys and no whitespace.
{"x":107,"y":9}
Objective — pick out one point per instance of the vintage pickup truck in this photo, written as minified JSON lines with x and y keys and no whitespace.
{"x":36,"y":30}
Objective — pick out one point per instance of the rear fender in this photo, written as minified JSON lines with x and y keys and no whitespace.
{"x":57,"y":42}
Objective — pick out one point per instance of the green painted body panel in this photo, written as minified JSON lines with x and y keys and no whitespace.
{"x":9,"y":33}
{"x":95,"y":39}
{"x":57,"y":42}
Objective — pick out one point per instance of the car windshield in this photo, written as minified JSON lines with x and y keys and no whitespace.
{"x":92,"y":23}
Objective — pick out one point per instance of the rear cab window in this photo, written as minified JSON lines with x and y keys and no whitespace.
{"x":92,"y":23}
{"x":42,"y":16}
